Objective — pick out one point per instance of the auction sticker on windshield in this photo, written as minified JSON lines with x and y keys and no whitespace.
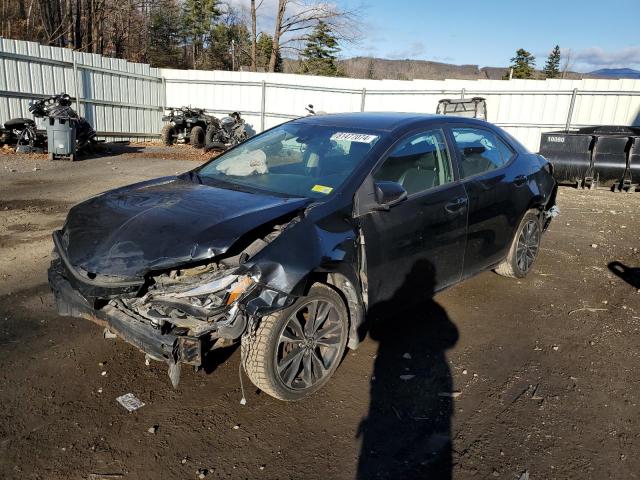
{"x":354,"y":137}
{"x":322,"y":189}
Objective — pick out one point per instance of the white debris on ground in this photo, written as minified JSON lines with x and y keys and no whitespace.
{"x":130,"y":402}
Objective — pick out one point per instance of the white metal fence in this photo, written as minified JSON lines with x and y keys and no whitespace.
{"x":125,"y":100}
{"x":120,"y":99}
{"x":525,"y":108}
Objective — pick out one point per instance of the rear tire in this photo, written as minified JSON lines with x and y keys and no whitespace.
{"x":524,"y":247}
{"x":168,"y":134}
{"x":196,"y":137}
{"x":291,"y":356}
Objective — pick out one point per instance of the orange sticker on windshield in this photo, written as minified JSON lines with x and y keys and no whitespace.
{"x":322,"y":189}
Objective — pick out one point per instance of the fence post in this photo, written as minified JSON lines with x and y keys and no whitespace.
{"x":163,"y":98}
{"x":263,"y":103}
{"x":363,"y":97}
{"x":76,"y":92}
{"x":462,"y":93}
{"x":571,"y":107}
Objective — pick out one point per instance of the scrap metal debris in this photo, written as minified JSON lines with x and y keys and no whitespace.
{"x":130,"y":402}
{"x":108,"y":334}
{"x":588,"y":309}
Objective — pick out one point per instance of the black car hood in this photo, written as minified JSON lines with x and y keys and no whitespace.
{"x":163,"y":223}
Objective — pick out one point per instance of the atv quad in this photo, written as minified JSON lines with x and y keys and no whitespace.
{"x":475,"y":107}
{"x":186,"y":125}
{"x":24,"y":135}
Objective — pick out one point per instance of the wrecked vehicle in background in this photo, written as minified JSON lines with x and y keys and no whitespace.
{"x":23,"y":134}
{"x":225,"y":133}
{"x":59,"y":107}
{"x":285,"y":242}
{"x":28,"y":138}
{"x":475,"y":107}
{"x":186,"y":125}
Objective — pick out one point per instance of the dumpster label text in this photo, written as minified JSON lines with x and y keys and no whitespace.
{"x":555,"y":139}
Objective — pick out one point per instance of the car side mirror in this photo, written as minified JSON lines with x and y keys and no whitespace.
{"x":389,"y":194}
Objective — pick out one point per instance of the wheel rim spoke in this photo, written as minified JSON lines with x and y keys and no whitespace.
{"x":318,"y":364}
{"x":527,"y":248}
{"x":312,"y":312}
{"x":328,"y":342}
{"x":296,"y":328}
{"x":290,"y":366}
{"x":306,"y":370}
{"x":328,"y":331}
{"x":322,"y":314}
{"x":290,"y":338}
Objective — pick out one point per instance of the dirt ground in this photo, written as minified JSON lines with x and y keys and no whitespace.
{"x":540,"y":375}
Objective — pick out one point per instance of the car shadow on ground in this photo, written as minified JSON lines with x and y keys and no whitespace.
{"x":218,"y":356}
{"x":110,"y":149}
{"x":407,"y":432}
{"x":104,"y":149}
{"x":628,"y":274}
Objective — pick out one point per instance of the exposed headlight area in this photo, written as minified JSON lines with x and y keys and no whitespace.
{"x":198,"y":299}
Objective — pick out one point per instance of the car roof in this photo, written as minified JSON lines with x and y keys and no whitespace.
{"x":385,"y":121}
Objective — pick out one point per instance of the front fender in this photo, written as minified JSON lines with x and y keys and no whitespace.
{"x":306,"y":252}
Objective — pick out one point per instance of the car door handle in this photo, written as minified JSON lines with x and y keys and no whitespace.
{"x":456,"y":205}
{"x":520,"y":180}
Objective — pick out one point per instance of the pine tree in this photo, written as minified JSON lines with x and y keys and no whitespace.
{"x":219,"y":52}
{"x":371,"y":69}
{"x":523,"y":64}
{"x":198,"y":17}
{"x":164,"y":35}
{"x":264,"y":48}
{"x":320,"y":53}
{"x":552,"y":67}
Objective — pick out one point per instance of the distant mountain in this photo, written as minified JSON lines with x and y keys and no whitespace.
{"x":617,"y":73}
{"x":382,"y":68}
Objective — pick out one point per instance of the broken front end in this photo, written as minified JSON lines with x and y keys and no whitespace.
{"x":177,"y":315}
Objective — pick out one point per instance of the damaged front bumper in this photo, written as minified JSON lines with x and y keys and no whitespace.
{"x":146,"y":317}
{"x":169,"y":346}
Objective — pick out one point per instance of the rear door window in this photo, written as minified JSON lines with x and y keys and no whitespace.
{"x":480,"y":151}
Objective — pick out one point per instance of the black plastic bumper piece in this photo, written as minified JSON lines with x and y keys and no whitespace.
{"x":144,"y":336}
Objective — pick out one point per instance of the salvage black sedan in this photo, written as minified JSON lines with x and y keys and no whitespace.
{"x":285,"y":242}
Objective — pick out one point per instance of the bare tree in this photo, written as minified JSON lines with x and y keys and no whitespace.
{"x":254,"y":35}
{"x":567,"y":62}
{"x":295,"y":18}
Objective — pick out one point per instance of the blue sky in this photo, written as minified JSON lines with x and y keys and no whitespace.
{"x":487,"y":33}
{"x":599,"y":34}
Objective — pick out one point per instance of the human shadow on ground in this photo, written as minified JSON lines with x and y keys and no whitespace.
{"x":407,"y":432}
{"x":628,"y":274}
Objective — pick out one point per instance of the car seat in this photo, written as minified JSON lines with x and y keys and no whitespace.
{"x":422,"y":175}
{"x":474,"y":160}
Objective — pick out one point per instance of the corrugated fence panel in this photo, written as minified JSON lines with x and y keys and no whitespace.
{"x":525,"y":108}
{"x":121,"y":100}
{"x":125,"y":100}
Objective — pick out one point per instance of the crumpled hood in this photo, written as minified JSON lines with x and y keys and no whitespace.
{"x":163,"y":223}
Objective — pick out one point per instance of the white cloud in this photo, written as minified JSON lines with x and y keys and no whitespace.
{"x":413,"y":50}
{"x":596,"y":57}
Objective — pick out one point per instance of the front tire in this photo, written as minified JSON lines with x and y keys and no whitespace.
{"x":524,"y":247}
{"x":168,"y":134}
{"x":295,"y":351}
{"x":196,"y":137}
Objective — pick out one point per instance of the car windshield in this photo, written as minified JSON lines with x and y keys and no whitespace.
{"x":295,"y":159}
